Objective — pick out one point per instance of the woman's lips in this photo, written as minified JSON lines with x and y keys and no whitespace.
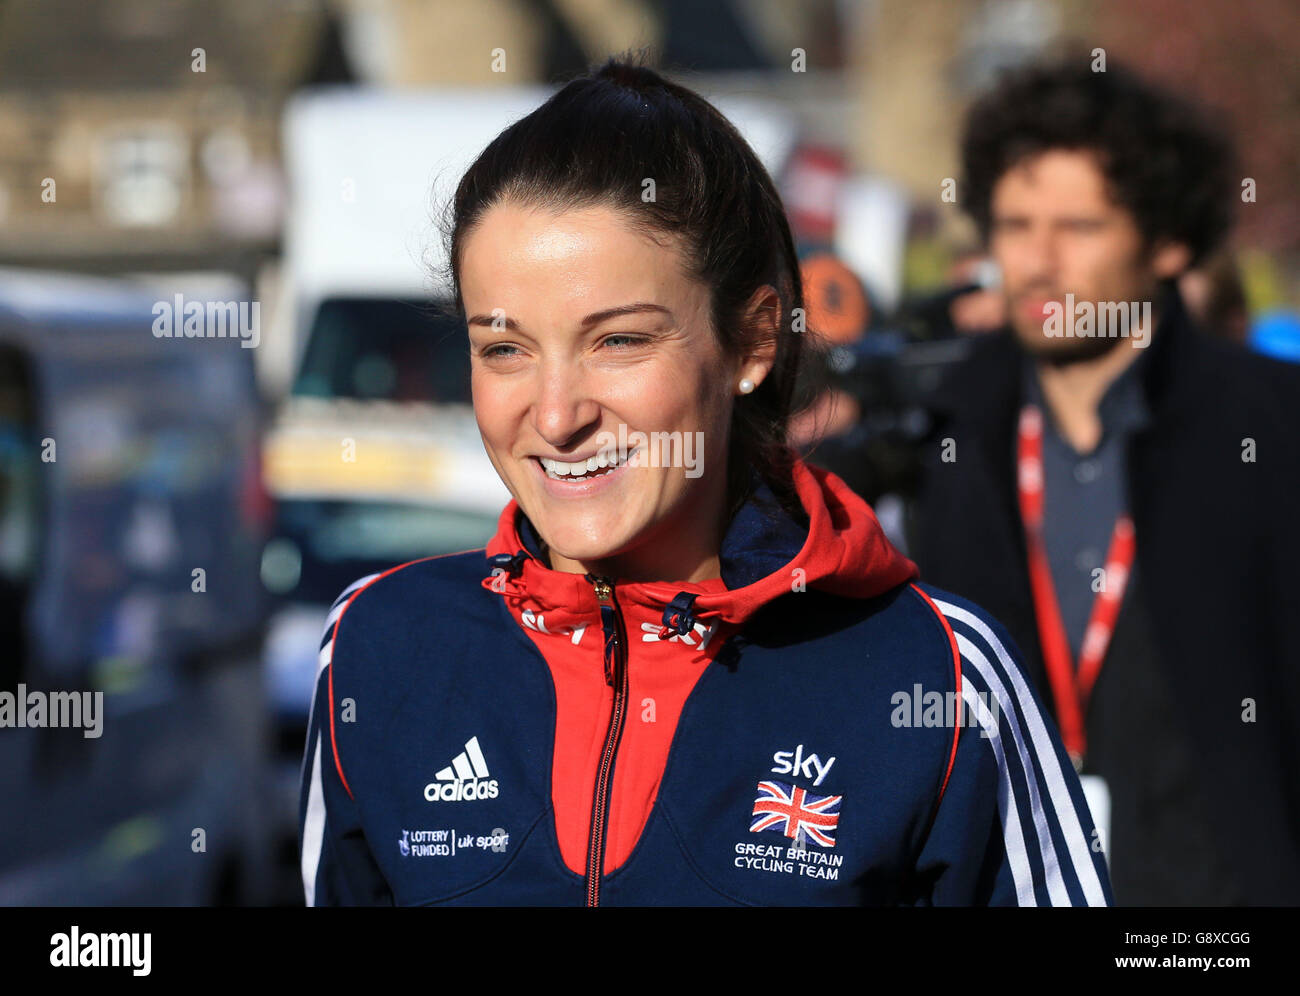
{"x":581,"y":487}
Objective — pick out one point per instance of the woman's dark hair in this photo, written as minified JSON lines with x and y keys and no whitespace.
{"x":597,"y":142}
{"x":1164,"y":161}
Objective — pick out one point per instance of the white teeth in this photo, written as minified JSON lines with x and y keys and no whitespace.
{"x":607,"y":461}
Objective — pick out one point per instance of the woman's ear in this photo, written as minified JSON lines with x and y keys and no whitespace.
{"x":763,"y":320}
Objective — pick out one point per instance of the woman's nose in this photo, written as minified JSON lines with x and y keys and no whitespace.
{"x":564,"y":405}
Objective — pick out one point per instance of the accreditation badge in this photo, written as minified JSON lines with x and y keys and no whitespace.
{"x":1098,"y":796}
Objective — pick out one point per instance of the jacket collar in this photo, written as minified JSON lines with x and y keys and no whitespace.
{"x":765,"y":554}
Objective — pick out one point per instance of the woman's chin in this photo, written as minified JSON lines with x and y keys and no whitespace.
{"x":583,"y":545}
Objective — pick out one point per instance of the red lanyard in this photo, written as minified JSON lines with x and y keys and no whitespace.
{"x":1070,"y":690}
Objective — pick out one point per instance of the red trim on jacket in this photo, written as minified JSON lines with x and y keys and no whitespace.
{"x":958,"y":706}
{"x":334,"y":746}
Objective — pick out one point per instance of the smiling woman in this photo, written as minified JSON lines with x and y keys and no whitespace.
{"x":626,"y":232}
{"x":673,"y":675}
{"x":604,"y":334}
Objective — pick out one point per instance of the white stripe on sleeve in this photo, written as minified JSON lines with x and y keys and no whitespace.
{"x":1013,"y":837}
{"x":1056,"y":887}
{"x":1058,"y":795}
{"x":313,"y":829}
{"x":336,"y":609}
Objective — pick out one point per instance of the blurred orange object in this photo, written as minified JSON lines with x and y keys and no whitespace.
{"x":836,"y":301}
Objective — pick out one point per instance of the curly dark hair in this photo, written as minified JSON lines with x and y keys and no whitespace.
{"x":1165,"y":160}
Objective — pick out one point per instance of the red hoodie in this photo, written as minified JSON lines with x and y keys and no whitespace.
{"x":844,"y":553}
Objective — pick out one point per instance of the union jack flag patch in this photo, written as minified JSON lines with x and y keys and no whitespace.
{"x":789,"y":810}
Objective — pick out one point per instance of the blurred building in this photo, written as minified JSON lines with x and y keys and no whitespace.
{"x":145,"y":134}
{"x":137,"y":134}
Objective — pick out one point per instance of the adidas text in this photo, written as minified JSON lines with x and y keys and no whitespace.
{"x":475,"y":788}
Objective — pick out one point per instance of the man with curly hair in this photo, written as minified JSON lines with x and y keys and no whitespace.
{"x":1120,"y":489}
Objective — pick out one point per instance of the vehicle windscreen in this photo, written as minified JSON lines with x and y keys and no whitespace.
{"x":385,"y":350}
{"x":323,"y":546}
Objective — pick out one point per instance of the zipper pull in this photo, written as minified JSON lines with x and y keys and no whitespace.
{"x":609,"y":623}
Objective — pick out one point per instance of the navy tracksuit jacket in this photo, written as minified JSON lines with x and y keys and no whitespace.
{"x":814,"y":728}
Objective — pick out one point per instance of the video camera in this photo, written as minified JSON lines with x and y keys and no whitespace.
{"x":893,"y":369}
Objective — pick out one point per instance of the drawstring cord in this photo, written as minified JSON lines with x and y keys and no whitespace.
{"x":505,"y":568}
{"x":679,"y":617}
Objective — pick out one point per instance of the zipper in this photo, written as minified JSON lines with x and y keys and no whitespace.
{"x":616,"y":678}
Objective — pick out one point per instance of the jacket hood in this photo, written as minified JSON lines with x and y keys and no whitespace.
{"x":765,"y":554}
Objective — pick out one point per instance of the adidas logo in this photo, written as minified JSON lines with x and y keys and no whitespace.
{"x":464,"y":780}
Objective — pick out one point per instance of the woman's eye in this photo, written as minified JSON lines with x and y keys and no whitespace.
{"x":623,"y":341}
{"x":616,"y":341}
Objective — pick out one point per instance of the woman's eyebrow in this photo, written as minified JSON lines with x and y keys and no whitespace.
{"x":491,"y":320}
{"x":595,"y":318}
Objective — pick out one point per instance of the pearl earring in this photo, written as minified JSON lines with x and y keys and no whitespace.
{"x":746,"y":386}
